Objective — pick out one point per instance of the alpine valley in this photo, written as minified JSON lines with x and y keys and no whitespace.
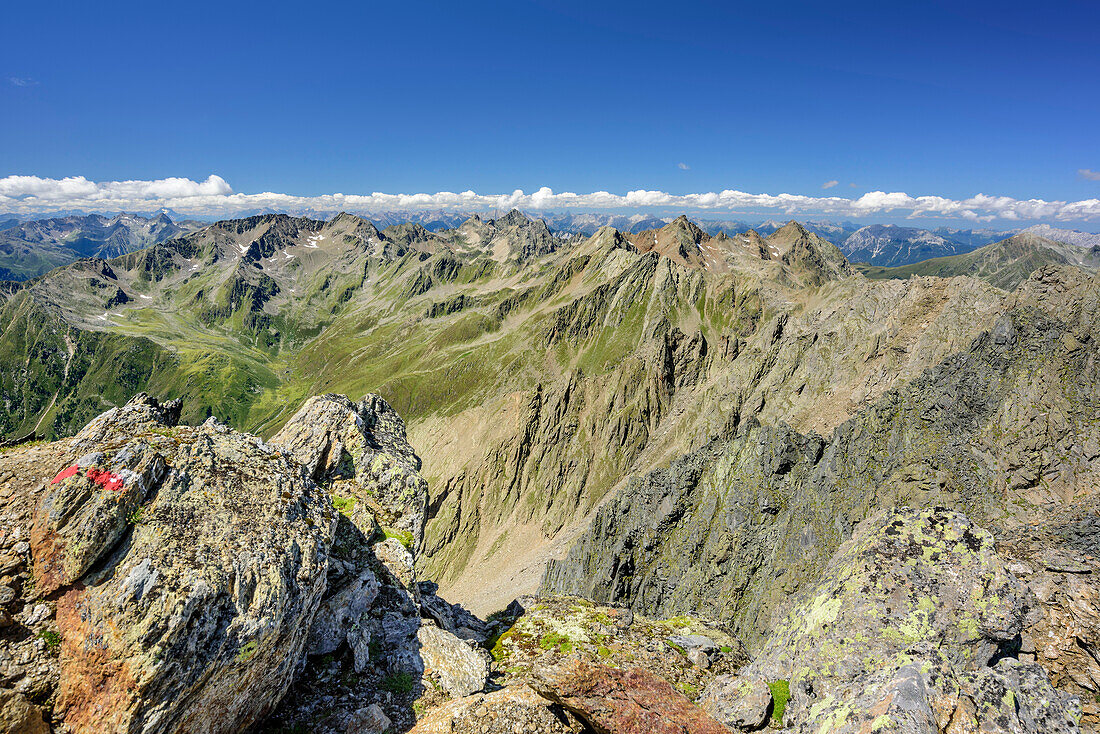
{"x":668,"y":477}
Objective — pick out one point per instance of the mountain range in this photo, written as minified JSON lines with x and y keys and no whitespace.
{"x":30,"y":248}
{"x":684,"y":426}
{"x":524,"y":362}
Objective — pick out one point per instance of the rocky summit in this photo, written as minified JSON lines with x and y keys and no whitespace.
{"x":285,"y":475}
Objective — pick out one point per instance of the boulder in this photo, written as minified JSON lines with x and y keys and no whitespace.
{"x":549,"y":631}
{"x":742,"y":703}
{"x":630,"y":701}
{"x":515,"y":708}
{"x":369,"y":720}
{"x":460,"y":668}
{"x":190,"y":562}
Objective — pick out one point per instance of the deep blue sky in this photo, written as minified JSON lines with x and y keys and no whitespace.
{"x":929,"y":97}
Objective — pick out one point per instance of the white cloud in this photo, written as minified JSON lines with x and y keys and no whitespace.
{"x":1088,"y":174}
{"x":21,"y":81}
{"x":683,"y":166}
{"x":829,"y":184}
{"x":214,"y":197}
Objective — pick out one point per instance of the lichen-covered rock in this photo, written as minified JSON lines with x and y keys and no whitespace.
{"x":905,"y":578}
{"x":460,"y":668}
{"x":515,"y":708}
{"x":742,"y":703}
{"x":1014,"y":697}
{"x":553,"y":630}
{"x":630,"y":701}
{"x":335,"y":438}
{"x":901,"y":631}
{"x":191,"y":566}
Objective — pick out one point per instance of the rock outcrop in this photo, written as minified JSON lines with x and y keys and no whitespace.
{"x":361,"y":448}
{"x":187,"y":563}
{"x":381,"y":638}
{"x":913,"y":626}
{"x":513,"y":709}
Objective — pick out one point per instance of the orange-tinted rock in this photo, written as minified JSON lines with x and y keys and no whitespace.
{"x":631,"y":701}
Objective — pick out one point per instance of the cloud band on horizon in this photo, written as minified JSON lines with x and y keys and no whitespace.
{"x":214,"y":197}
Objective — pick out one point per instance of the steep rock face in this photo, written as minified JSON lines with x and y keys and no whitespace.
{"x":189,"y":564}
{"x":734,"y":528}
{"x":564,"y":442}
{"x":911,"y":628}
{"x":361,"y":445}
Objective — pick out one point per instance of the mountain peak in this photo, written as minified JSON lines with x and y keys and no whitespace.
{"x":683,"y":225}
{"x":792,"y":227}
{"x":514,"y":218}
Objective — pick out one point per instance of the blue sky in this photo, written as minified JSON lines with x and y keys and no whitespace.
{"x":930,"y":98}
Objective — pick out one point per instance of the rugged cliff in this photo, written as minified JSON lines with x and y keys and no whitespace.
{"x":1006,"y":430}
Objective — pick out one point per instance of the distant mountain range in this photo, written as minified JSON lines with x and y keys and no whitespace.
{"x":891,"y":245}
{"x":1004,"y":264}
{"x":30,"y":248}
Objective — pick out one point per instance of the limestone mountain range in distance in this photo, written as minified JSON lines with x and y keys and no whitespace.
{"x":30,"y":246}
{"x":705,"y":477}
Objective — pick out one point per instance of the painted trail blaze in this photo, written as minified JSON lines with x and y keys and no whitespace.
{"x":105,"y":479}
{"x":65,"y":474}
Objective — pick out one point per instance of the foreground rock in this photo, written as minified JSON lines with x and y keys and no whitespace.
{"x":742,"y":702}
{"x":549,"y":631}
{"x":189,"y":562}
{"x":19,"y":716}
{"x":631,"y":701}
{"x":381,"y":639}
{"x":461,"y":667}
{"x":361,"y":448}
{"x":912,"y":628}
{"x":513,"y":709}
